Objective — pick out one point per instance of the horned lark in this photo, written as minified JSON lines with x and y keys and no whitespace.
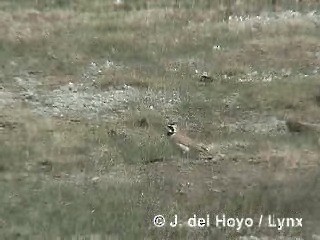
{"x":205,"y":78}
{"x":185,"y":143}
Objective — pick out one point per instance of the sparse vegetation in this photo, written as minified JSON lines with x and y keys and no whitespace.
{"x":86,"y":88}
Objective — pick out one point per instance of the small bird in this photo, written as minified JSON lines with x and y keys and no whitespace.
{"x":295,"y":125}
{"x":185,"y":143}
{"x":205,"y":78}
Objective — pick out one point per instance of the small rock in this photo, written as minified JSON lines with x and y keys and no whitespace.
{"x":71,"y":87}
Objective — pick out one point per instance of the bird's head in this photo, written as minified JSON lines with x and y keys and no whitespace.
{"x":171,"y":129}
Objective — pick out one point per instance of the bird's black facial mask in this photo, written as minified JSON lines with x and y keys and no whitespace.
{"x":170,"y":130}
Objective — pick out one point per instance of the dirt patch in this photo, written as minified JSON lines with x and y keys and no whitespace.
{"x":83,"y":99}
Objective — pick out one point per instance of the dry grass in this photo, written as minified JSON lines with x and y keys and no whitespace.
{"x":107,"y":178}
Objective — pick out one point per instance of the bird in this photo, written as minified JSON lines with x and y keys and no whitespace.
{"x":184,"y":142}
{"x":205,"y":78}
{"x":295,"y":125}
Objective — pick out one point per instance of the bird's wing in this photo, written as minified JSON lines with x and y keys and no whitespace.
{"x":183,"y":139}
